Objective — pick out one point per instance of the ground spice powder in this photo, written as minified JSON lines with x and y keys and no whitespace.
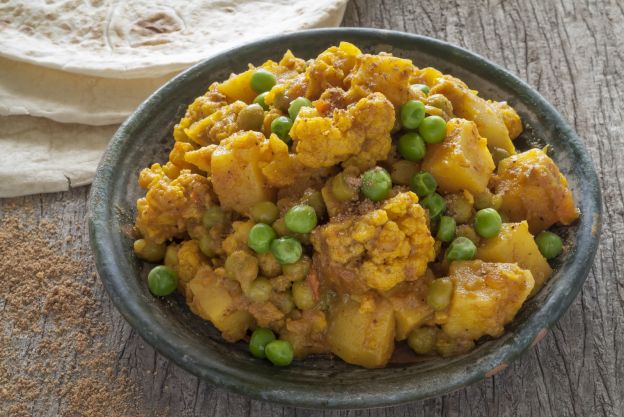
{"x":51,"y":330}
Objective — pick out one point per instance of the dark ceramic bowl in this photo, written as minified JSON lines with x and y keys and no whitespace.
{"x":326,"y":382}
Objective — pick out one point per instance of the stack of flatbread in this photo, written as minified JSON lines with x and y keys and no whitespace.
{"x":72,"y":70}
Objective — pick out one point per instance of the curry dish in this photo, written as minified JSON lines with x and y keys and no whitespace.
{"x":348,"y":203}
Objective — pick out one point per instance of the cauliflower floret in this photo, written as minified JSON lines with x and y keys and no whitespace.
{"x":531,"y":187}
{"x":376,"y":250}
{"x":280,"y":167}
{"x":201,"y":108}
{"x":358,"y":136}
{"x":170,"y":207}
{"x":217,"y":126}
{"x":384,"y":74}
{"x":468,"y":105}
{"x":330,"y":68}
{"x":486,"y":296}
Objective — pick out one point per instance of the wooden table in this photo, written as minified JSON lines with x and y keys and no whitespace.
{"x":573,"y":53}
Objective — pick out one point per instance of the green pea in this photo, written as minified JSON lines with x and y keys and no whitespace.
{"x":213,"y":216}
{"x":412,"y":114}
{"x":412,"y":147}
{"x":432,"y":129}
{"x":461,"y":249}
{"x":302,"y":295}
{"x":549,"y":244}
{"x":422,"y":340}
{"x":281,"y":102}
{"x":446,"y":229}
{"x":341,"y":189}
{"x":251,"y":117}
{"x":300,"y":218}
{"x":498,"y":154}
{"x":287,"y":250}
{"x":315,"y":199}
{"x":262,"y":80}
{"x":279,"y":352}
{"x":148,"y":250}
{"x":376,"y":184}
{"x":264,"y":212}
{"x":279,"y":226}
{"x":260,"y":100}
{"x":162,"y":280}
{"x":439,"y":293}
{"x":208,"y":246}
{"x":260,"y":290}
{"x":296,"y":105}
{"x":420,"y":87}
{"x":298,"y":270}
{"x":435,"y":204}
{"x":488,"y":222}
{"x":259,"y":340}
{"x":260,"y":237}
{"x":281,"y":127}
{"x":423,"y":184}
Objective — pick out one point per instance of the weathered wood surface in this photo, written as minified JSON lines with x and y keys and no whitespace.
{"x":573,"y":53}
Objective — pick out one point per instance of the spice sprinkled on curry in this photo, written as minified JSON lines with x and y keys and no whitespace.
{"x":348,"y":203}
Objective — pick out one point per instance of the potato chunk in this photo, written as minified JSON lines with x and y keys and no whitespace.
{"x":383,"y":74}
{"x":362,"y":333}
{"x":510,"y":118}
{"x":462,"y":161}
{"x":467,"y":104}
{"x":212,"y":299}
{"x":531,"y":187}
{"x":515,"y":244}
{"x":410,"y":305}
{"x":486,"y":296}
{"x":236,"y":174}
{"x":238,"y":87}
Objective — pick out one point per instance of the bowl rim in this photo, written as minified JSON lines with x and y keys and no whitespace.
{"x":133,"y":309}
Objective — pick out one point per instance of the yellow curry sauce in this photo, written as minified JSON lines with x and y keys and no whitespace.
{"x":372,"y":271}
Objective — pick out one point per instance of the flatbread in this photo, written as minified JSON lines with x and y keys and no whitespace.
{"x":27,"y":89}
{"x":41,"y":156}
{"x":143,"y":38}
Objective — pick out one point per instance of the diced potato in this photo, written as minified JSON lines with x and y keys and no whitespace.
{"x":515,"y":244}
{"x":462,"y":161}
{"x":510,"y":118}
{"x":486,"y":296}
{"x":236,"y":175}
{"x":362,"y":333}
{"x":238,"y":87}
{"x":382,"y":74}
{"x":467,"y":104}
{"x":410,"y":306}
{"x":212,"y":301}
{"x":428,"y":76}
{"x":531,"y":187}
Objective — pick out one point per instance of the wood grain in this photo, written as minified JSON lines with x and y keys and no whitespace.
{"x":572,"y":53}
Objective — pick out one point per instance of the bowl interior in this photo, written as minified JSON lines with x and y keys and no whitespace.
{"x":194,"y":344}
